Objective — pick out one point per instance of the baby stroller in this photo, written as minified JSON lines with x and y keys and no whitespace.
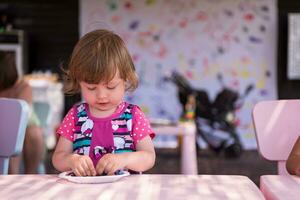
{"x":215,"y":121}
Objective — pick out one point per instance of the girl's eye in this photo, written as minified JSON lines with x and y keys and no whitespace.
{"x":91,"y":88}
{"x":111,"y":87}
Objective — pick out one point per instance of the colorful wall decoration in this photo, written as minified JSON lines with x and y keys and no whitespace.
{"x":199,"y":39}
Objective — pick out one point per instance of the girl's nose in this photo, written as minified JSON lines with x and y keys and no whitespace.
{"x":101,"y":94}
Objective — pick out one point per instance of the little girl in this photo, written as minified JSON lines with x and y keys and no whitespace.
{"x":104,"y":134}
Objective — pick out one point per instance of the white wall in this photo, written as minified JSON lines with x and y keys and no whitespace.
{"x":198,"y":38}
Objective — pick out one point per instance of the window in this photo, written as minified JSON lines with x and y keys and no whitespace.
{"x":293,"y":72}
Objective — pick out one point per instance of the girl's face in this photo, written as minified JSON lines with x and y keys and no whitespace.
{"x":103,"y":98}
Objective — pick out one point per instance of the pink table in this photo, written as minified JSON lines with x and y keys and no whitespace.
{"x":188,"y":148}
{"x":277,"y":187}
{"x":141,"y":187}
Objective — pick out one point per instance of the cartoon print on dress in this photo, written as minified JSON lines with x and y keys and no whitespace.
{"x":82,"y":146}
{"x":87,"y":127}
{"x":80,"y":108}
{"x":82,"y":119}
{"x":83,"y":132}
{"x":100,"y":151}
{"x":115,"y":125}
{"x":123,"y":143}
{"x":126,"y":115}
{"x":83,"y":151}
{"x":81,"y":113}
{"x":119,"y":143}
{"x":129,"y":124}
{"x":122,"y":127}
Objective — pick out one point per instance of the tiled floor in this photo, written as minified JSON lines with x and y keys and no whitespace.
{"x":249,"y":164}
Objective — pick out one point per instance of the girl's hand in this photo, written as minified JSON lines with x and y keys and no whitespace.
{"x":110,"y":163}
{"x":82,"y":165}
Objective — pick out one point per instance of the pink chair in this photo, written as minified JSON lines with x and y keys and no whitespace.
{"x":13,"y":122}
{"x":277,"y":127}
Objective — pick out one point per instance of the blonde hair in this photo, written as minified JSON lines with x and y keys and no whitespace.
{"x":97,"y":57}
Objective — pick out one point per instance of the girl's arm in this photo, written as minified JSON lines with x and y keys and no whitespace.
{"x":64,"y":160}
{"x":141,"y":160}
{"x":62,"y":154}
{"x":293,"y":162}
{"x":144,"y":158}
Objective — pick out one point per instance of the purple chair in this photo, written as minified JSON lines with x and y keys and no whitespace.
{"x":277,"y":127}
{"x":13,"y":122}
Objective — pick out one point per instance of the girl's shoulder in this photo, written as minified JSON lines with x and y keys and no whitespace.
{"x":136,"y":111}
{"x":79,"y":104}
{"x":80,"y":107}
{"x":135,"y":108}
{"x":130,"y":107}
{"x":77,"y":108}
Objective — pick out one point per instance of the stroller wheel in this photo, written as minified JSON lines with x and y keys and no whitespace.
{"x":233,"y":151}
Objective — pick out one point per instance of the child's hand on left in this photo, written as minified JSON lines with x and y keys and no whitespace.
{"x":110,"y":163}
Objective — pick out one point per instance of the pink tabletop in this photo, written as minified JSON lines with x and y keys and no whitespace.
{"x":279,"y":187}
{"x":142,"y":187}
